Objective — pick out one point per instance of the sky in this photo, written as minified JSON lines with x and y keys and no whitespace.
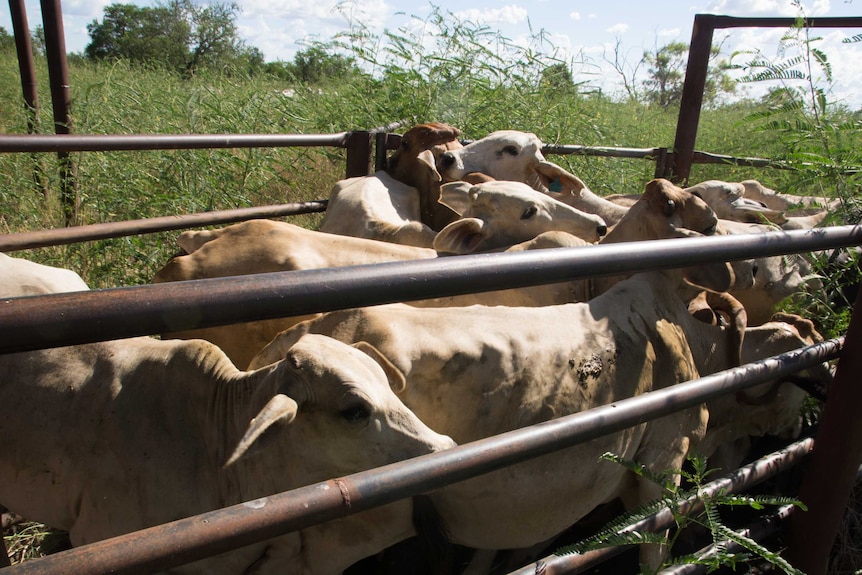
{"x":585,"y":31}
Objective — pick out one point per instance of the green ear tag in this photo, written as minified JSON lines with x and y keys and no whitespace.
{"x":556,"y":185}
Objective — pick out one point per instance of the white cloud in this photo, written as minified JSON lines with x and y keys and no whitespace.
{"x":575,"y":15}
{"x":618,"y":28}
{"x":668,"y":32}
{"x":92,"y":9}
{"x":506,"y":15}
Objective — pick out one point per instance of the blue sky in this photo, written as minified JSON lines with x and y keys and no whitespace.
{"x":588,"y":31}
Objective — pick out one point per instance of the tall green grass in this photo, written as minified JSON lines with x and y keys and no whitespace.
{"x":444,"y":70}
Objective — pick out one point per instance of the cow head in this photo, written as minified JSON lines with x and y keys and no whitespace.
{"x":415,"y":164}
{"x":502,"y":155}
{"x":503,"y":213}
{"x":340,"y":401}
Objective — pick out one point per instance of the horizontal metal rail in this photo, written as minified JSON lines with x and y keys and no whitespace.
{"x":721,"y":21}
{"x":120,"y":142}
{"x":186,"y":540}
{"x":767,"y":526}
{"x":63,"y":236}
{"x":740,"y":480}
{"x":115,"y":313}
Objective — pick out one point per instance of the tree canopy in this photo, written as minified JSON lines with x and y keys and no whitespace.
{"x":178,"y":34}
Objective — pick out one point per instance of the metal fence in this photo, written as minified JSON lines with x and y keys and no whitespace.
{"x":123,"y":312}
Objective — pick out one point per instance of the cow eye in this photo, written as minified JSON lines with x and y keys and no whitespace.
{"x":511,"y":150}
{"x":529,"y":213}
{"x":357,"y":413}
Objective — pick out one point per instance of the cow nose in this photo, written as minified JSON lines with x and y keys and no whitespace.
{"x":602,"y":230}
{"x":447,"y":159}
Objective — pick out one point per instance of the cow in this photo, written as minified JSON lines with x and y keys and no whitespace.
{"x":261,"y":246}
{"x":112,"y":437}
{"x":776,"y":277}
{"x":782,"y":202}
{"x":398,"y":204}
{"x":728,"y":202}
{"x":510,"y":367}
{"x":497,"y":214}
{"x":517,"y":156}
{"x":21,"y":277}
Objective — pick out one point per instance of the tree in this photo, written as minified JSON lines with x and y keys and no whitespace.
{"x":179,"y":34}
{"x":667,"y":67}
{"x":557,"y":77}
{"x":140,"y":34}
{"x":315,"y":64}
{"x":7,"y":40}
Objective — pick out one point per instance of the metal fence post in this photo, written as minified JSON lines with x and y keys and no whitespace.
{"x":692,"y":96}
{"x":61,"y":100}
{"x":26,"y":68}
{"x":831,"y":472}
{"x":359,"y":146}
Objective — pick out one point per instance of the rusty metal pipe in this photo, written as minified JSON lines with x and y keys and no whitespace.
{"x":98,"y":315}
{"x":186,"y":540}
{"x":121,"y":142}
{"x":743,"y":478}
{"x":62,"y":236}
{"x":831,"y":473}
{"x":766,"y":527}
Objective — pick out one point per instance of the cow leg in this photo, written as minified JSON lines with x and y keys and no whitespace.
{"x":481,"y":563}
{"x":665,"y":446}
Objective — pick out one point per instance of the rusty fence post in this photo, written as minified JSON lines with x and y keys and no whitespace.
{"x":27,"y":69}
{"x":831,"y":471}
{"x":692,"y":97}
{"x":359,"y":147}
{"x":61,"y":101}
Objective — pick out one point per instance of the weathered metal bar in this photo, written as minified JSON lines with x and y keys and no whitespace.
{"x":120,"y":142}
{"x":719,"y":21}
{"x":740,"y":480}
{"x":691,"y":100}
{"x":61,"y":101}
{"x":831,"y":474}
{"x":179,"y":542}
{"x":27,"y":70}
{"x":766,"y":527}
{"x":26,"y":66}
{"x":62,"y":236}
{"x":359,"y":156}
{"x":81,"y":317}
{"x":600,"y":151}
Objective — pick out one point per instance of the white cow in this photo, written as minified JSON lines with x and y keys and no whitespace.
{"x":785,"y":202}
{"x":395,"y":205}
{"x":510,"y":367}
{"x":776,"y":278}
{"x":109,"y":438}
{"x":499,"y":214}
{"x":20,"y":277}
{"x":728,"y":202}
{"x":517,"y":156}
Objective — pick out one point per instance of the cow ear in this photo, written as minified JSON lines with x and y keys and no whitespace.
{"x":461,"y":236}
{"x":456,"y":196}
{"x":426,"y":158}
{"x":396,"y":378}
{"x":556,"y":179}
{"x":279,"y":411}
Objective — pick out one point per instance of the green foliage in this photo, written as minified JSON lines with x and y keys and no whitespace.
{"x":679,"y":501}
{"x":820,"y":141}
{"x":179,"y":35}
{"x":663,"y":86}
